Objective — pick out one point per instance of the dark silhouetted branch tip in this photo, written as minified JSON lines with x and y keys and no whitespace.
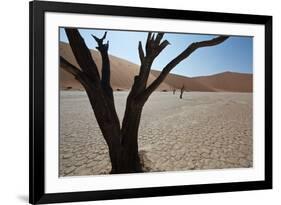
{"x":159,"y":38}
{"x":152,"y":37}
{"x":163,"y":45}
{"x":141,"y":53}
{"x":104,"y":35}
{"x":149,"y":36}
{"x":102,"y":47}
{"x":212,"y":42}
{"x":96,"y":39}
{"x":100,"y":40}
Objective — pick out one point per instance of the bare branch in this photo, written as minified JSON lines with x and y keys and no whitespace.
{"x":141,"y":53}
{"x":212,"y":42}
{"x":101,"y":46}
{"x":105,"y":79}
{"x":104,"y":35}
{"x":76,"y":72}
{"x":159,"y":38}
{"x":99,"y":40}
{"x":148,"y":41}
{"x":153,"y":49}
{"x":152,"y":37}
{"x":161,"y":47}
{"x":149,"y":36}
{"x":96,"y":39}
{"x":189,"y":50}
{"x":67,"y":66}
{"x":83,"y":55}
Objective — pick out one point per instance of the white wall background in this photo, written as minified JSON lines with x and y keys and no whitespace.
{"x":14,"y":100}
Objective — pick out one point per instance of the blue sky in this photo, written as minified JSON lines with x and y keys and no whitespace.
{"x":235,"y":54}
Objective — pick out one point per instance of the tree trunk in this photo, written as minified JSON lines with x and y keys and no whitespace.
{"x":122,"y":144}
{"x":129,"y":159}
{"x":126,"y":158}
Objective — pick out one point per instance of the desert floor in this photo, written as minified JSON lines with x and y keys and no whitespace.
{"x":204,"y":130}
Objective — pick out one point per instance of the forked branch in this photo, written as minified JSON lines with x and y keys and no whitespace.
{"x":189,"y":50}
{"x":101,"y":46}
{"x":105,"y":79}
{"x":153,"y":48}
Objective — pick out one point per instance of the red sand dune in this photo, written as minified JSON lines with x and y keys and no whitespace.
{"x":226,"y":81}
{"x":123,"y":72}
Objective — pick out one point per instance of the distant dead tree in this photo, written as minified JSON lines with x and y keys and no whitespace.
{"x":182,"y":90}
{"x":122,"y":140}
{"x":174,"y":91}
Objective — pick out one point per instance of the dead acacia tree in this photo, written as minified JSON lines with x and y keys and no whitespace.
{"x":122,"y":140}
{"x":182,"y":90}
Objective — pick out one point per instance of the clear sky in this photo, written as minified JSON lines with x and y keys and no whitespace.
{"x":235,"y":54}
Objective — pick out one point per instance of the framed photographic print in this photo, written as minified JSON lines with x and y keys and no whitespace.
{"x":140,"y":102}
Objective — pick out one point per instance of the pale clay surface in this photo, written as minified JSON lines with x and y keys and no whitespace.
{"x":201,"y":131}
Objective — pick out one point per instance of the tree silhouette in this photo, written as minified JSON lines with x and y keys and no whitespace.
{"x":122,"y":140}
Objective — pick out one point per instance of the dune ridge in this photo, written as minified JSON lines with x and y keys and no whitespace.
{"x":123,"y":72}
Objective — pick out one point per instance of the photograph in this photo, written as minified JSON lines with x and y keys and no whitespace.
{"x":136,"y":101}
{"x":130,"y":102}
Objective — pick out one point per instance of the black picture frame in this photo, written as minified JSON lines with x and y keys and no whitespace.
{"x":37,"y":194}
